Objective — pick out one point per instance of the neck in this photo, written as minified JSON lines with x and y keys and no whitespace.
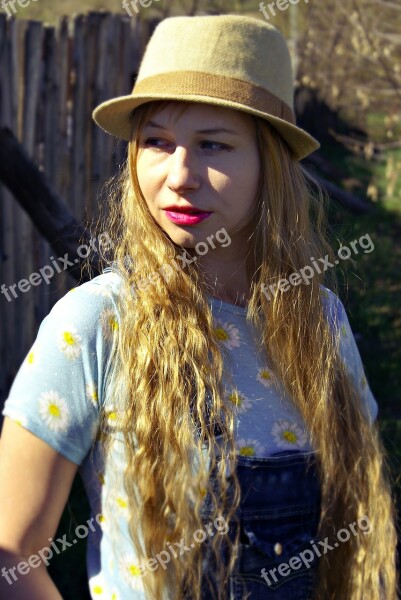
{"x":226,"y":281}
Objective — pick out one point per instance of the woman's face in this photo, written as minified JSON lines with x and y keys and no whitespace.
{"x":200,"y":156}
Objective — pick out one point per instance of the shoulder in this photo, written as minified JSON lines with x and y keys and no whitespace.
{"x":59,"y":387}
{"x":331,"y":302}
{"x":333,"y":309}
{"x":348,"y":350}
{"x":102,"y":290}
{"x":86,"y":307}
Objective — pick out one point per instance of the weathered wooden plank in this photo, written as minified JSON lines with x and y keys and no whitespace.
{"x":77,"y":190}
{"x":5,"y":72}
{"x":32,"y":74}
{"x":64,"y":175}
{"x":92,"y":51}
{"x":101,"y":92}
{"x":105,"y":83}
{"x":11,"y":312}
{"x":24,"y":242}
{"x":46,"y":294}
{"x":7,"y":307}
{"x":63,"y":61}
{"x":127,"y":67}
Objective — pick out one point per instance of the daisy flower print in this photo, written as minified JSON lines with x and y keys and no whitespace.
{"x":97,"y":587}
{"x":239,"y":400}
{"x":105,"y":523}
{"x":288,"y":435}
{"x":228,"y":334}
{"x":20,"y":419}
{"x":111,"y":416}
{"x":249,"y":447}
{"x":121,"y":505}
{"x":109,"y":323}
{"x":91,"y":393}
{"x":31,"y":359}
{"x":54,"y":411}
{"x":131,"y":572}
{"x":70,"y":342}
{"x":265,"y":376}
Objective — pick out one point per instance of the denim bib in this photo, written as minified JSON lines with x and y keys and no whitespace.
{"x":278,"y":518}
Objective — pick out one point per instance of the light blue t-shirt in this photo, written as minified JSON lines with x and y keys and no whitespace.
{"x":59,"y":387}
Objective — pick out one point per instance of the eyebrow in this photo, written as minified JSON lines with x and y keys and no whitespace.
{"x":212,"y":131}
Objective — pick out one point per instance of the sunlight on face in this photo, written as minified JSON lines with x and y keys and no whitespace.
{"x":202,"y":157}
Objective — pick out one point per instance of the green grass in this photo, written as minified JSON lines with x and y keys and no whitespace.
{"x":373,"y":306}
{"x":373,"y":281}
{"x":371,"y":287}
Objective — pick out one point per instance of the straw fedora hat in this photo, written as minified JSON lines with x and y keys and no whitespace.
{"x":233,"y":61}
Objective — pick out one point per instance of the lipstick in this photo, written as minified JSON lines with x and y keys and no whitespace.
{"x":186,"y":218}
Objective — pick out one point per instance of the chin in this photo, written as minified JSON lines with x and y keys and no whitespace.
{"x":184,"y":240}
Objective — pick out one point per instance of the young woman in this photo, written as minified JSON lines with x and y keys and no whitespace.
{"x":212,"y":396}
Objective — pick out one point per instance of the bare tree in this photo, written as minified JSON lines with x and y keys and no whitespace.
{"x":350,"y":52}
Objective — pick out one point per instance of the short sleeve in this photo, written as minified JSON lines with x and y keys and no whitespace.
{"x":350,"y":354}
{"x":58,"y":389}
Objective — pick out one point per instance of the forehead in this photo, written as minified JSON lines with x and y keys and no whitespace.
{"x":171,"y":113}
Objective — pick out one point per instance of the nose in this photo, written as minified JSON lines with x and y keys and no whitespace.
{"x":182,"y":175}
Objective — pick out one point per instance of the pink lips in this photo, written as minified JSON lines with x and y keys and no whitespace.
{"x":186,"y":218}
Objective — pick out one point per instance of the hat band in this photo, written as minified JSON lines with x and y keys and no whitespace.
{"x":189,"y":83}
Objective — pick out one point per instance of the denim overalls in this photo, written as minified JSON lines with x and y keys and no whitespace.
{"x":278,"y":517}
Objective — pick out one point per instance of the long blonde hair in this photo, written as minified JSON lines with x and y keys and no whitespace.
{"x":167,"y":359}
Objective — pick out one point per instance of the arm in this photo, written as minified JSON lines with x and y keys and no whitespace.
{"x":349,"y":353}
{"x":56,"y":396}
{"x":35,"y":484}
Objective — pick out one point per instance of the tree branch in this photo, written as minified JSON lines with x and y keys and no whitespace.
{"x":47,"y":211}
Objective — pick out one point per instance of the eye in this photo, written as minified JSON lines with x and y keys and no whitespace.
{"x":157,"y":143}
{"x":215,"y":146}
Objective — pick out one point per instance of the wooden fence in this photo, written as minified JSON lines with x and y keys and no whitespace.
{"x":51,"y":78}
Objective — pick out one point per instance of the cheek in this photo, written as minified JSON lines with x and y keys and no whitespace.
{"x":244,"y":180}
{"x":251,"y":182}
{"x":251,"y":169}
{"x":141,"y":165}
{"x":250,"y":178}
{"x":139,"y":172}
{"x":145,"y":179}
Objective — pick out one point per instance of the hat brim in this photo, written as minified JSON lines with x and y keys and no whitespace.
{"x":114,"y":117}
